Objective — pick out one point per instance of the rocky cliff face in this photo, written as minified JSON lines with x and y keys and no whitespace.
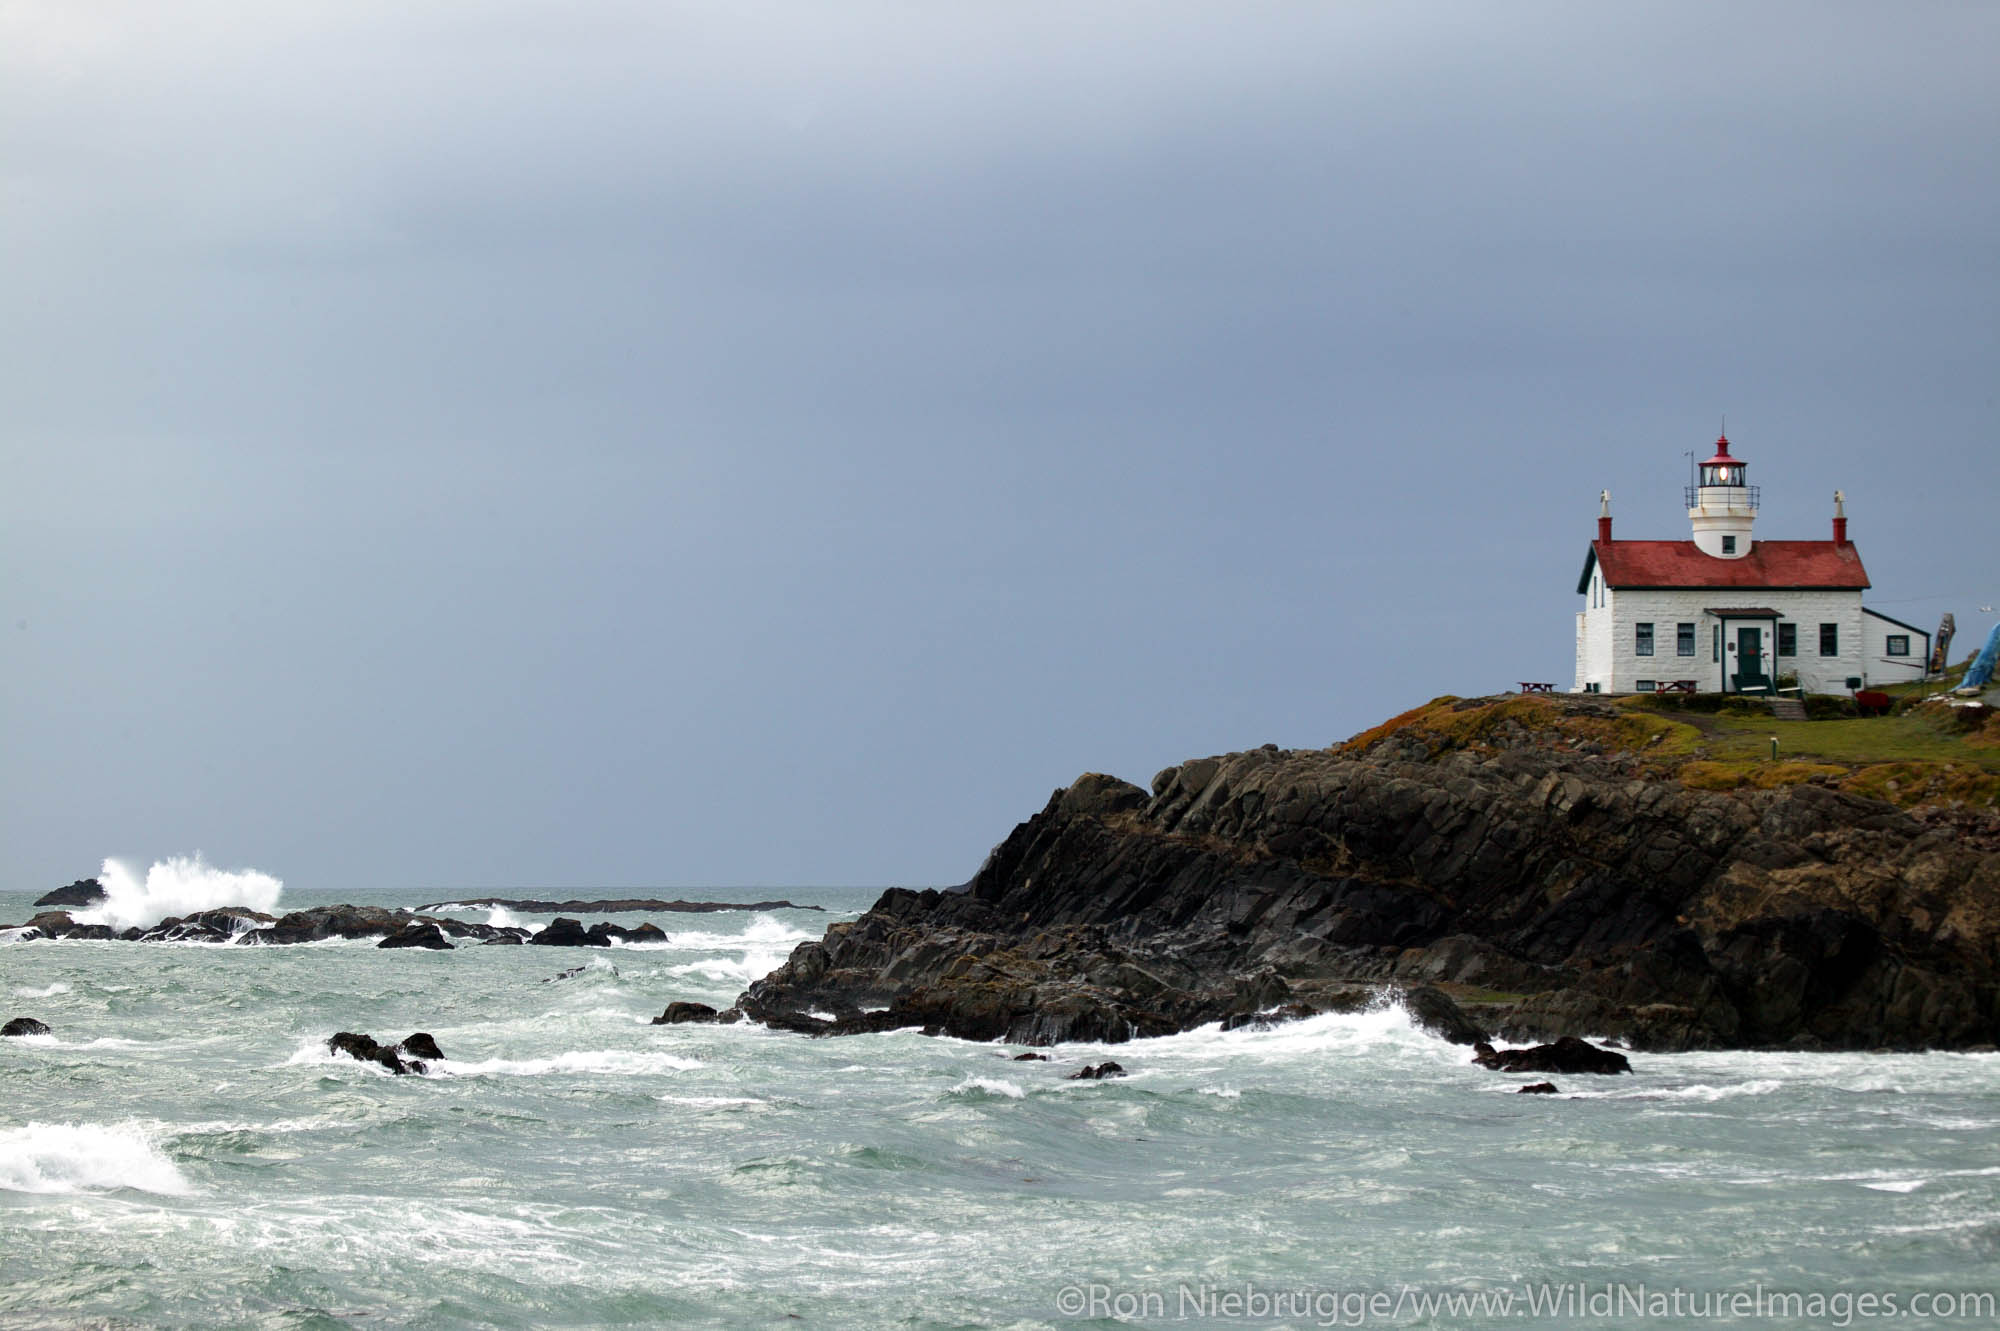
{"x":1524,"y":855}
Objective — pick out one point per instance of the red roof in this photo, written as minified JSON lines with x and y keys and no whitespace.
{"x":1817,"y":564}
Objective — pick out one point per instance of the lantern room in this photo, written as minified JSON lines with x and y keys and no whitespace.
{"x":1722,"y":469}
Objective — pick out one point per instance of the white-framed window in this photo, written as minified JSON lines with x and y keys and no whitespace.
{"x":1729,"y":545}
{"x":1643,"y":685}
{"x":1896,"y":644}
{"x":1684,"y":640}
{"x":1642,"y":640}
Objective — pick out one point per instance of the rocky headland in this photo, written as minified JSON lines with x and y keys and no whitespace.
{"x":1528,"y":867}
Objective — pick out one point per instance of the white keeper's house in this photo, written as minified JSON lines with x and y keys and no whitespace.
{"x":1726,"y":612}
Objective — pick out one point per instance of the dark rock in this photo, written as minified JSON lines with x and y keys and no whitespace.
{"x":418,"y":935}
{"x":1097,"y":1072}
{"x":646,"y":933}
{"x":681,"y":1013}
{"x":421,"y":1045}
{"x":562,"y":932}
{"x":1433,"y":1010}
{"x":208,"y":926}
{"x":83,"y":892}
{"x":1031,"y":1058}
{"x":364,"y":1049}
{"x":569,"y":974}
{"x":1264,"y":1021}
{"x":506,"y":940}
{"x":617,"y":905}
{"x":1568,"y":1054}
{"x":24,"y":1026}
{"x":1538,"y":1088}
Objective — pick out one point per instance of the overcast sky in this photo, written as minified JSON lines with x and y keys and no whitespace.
{"x":639,"y":444}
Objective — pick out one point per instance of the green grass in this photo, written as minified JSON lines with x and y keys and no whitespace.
{"x":1909,"y":737}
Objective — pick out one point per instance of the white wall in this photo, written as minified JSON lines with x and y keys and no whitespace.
{"x":1612,"y":663}
{"x":1878,"y":665}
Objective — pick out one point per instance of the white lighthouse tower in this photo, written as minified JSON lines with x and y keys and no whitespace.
{"x":1722,"y":507}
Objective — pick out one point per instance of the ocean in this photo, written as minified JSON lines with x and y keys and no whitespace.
{"x":182,"y":1151}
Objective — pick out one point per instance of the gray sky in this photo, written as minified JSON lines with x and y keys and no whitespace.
{"x":647,"y":444}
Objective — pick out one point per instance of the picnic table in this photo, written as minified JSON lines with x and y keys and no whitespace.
{"x":1674,"y":686}
{"x":1535,"y":686}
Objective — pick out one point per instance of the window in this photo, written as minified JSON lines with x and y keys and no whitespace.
{"x":1829,"y":640}
{"x":1643,"y":685}
{"x":1684,"y":640}
{"x":1788,"y":639}
{"x":1896,"y":644}
{"x":1729,"y":545}
{"x":1642,"y":639}
{"x":1718,"y":644}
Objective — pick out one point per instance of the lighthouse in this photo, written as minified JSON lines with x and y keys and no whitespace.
{"x":1722,"y":506}
{"x":1725,"y":613}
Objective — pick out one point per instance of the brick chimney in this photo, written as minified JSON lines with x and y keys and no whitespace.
{"x":1839,"y":518}
{"x":1604,"y":516}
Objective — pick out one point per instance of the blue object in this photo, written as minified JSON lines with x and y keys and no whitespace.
{"x":1981,"y":672}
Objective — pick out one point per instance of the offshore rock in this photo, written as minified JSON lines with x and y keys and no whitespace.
{"x":24,"y":1026}
{"x":612,"y":905}
{"x":419,"y":1046}
{"x":1568,"y":1054}
{"x":562,"y":932}
{"x":1530,"y":860}
{"x":1538,"y":1088}
{"x":1097,"y":1072}
{"x":418,"y":935}
{"x":422,"y":1044}
{"x":679,"y":1013}
{"x":83,"y":892}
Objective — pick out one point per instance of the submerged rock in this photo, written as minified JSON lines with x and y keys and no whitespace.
{"x":1568,"y":1054}
{"x":1538,"y":1088}
{"x":1097,"y":1072}
{"x":24,"y":1026}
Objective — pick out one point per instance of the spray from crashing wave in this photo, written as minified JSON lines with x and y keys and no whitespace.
{"x":178,"y":885}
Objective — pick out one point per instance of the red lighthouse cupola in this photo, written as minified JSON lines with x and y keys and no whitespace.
{"x":1722,"y":469}
{"x":1722,"y":506}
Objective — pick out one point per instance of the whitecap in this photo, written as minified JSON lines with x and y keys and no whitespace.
{"x":23,"y":991}
{"x":605,"y":1062}
{"x":85,"y":1157}
{"x":989,"y":1086}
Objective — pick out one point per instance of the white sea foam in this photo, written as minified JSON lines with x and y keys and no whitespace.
{"x":179,"y":885}
{"x":989,"y":1086}
{"x":85,"y":1157}
{"x":24,"y":991}
{"x":605,"y":1062}
{"x":502,"y":918}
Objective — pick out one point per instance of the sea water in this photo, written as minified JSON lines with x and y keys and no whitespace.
{"x":182,"y":1151}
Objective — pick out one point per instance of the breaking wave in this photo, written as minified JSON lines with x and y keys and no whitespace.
{"x":179,"y":885}
{"x":84,"y":1157}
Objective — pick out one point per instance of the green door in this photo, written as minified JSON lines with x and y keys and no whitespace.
{"x":1749,"y":654}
